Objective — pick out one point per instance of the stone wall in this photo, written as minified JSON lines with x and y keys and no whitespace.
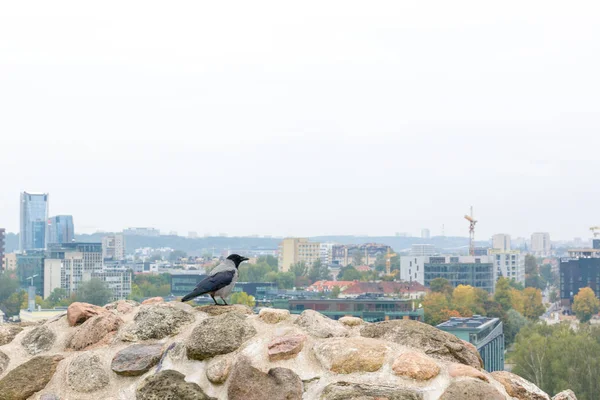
{"x":174,"y":351}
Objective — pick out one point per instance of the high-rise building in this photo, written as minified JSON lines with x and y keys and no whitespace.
{"x":540,"y":244}
{"x":2,"y":242}
{"x":425,"y":234}
{"x":581,"y":269}
{"x":326,"y":253}
{"x":501,"y":241}
{"x":422,"y":250}
{"x":343,"y":255}
{"x":34,"y":216}
{"x":294,"y":250}
{"x":77,"y":259}
{"x":508,"y":264}
{"x":118,"y":280}
{"x":476,"y":271}
{"x":60,"y":229}
{"x":113,"y":247}
{"x":10,"y":262}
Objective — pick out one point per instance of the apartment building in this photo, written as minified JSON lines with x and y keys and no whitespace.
{"x":294,"y":250}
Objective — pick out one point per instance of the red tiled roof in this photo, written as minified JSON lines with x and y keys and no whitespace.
{"x":320,"y":286}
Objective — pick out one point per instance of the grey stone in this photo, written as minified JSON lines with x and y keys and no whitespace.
{"x":518,"y":387}
{"x":28,"y":378}
{"x":157,"y":321}
{"x":218,"y":369}
{"x":218,"y":335}
{"x":136,"y":359}
{"x":434,"y":342}
{"x":94,"y":330}
{"x":360,"y":391}
{"x":49,"y":396}
{"x":471,"y":389}
{"x":170,"y":385}
{"x":8,"y":333}
{"x":249,"y":383}
{"x":565,"y":395}
{"x":319,"y":325}
{"x":87,"y":374}
{"x":4,"y":360}
{"x":38,"y":340}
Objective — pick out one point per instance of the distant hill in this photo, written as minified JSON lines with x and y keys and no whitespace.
{"x":198,"y":246}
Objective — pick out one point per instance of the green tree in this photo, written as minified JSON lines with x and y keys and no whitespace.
{"x":441,"y":285}
{"x":554,"y":296}
{"x":357,"y":257}
{"x":513,"y":325}
{"x":95,"y":292}
{"x":56,"y":297}
{"x":285,"y":280}
{"x":532,"y":306}
{"x":350,"y":274}
{"x":502,"y":294}
{"x":547,"y":274}
{"x":435,"y":307}
{"x":531,"y":266}
{"x":8,"y":285}
{"x":318,"y":272}
{"x":335,"y":292}
{"x":176,"y":255}
{"x":136,"y":293}
{"x":299,"y":269}
{"x":585,"y":304}
{"x":12,"y":305}
{"x":269,"y":260}
{"x":242,"y":298}
{"x":464,"y":300}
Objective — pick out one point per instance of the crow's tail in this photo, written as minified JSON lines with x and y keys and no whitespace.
{"x":193,"y":294}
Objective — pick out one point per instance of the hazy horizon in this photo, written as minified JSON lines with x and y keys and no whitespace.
{"x":305,"y":119}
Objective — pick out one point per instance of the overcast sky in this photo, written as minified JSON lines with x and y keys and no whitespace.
{"x":303,"y":118}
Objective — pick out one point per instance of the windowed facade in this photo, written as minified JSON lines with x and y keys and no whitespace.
{"x":34,"y":216}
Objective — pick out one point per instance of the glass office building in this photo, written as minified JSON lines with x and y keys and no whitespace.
{"x":60,"y":229}
{"x":34,"y":216}
{"x":478,"y":272}
{"x":486,"y":334}
{"x":30,"y":269}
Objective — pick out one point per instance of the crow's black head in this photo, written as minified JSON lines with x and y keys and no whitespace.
{"x":237,"y":259}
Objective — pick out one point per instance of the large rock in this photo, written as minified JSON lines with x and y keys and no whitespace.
{"x":361,"y":391}
{"x":471,"y":389}
{"x":49,"y":396}
{"x":38,"y":340}
{"x":320,"y":326}
{"x":170,"y":385}
{"x":432,"y":341}
{"x":416,"y":366}
{"x":28,"y":378}
{"x":8,"y":333}
{"x":249,"y":383}
{"x":518,"y":387}
{"x":285,"y":347}
{"x":348,"y":355}
{"x":81,"y":312}
{"x":273,"y":315}
{"x":87,"y":374}
{"x":136,"y":359}
{"x":94,"y":330}
{"x":565,"y":395}
{"x":157,"y":321}
{"x":4,"y":360}
{"x":214,"y":310}
{"x":461,"y":370}
{"x":122,"y":306}
{"x":153,"y":300}
{"x":352,"y":321}
{"x":218,"y":369}
{"x":218,"y":335}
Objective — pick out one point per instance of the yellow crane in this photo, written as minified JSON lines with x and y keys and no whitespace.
{"x":594,"y":229}
{"x":472,"y":222}
{"x":388,"y":262}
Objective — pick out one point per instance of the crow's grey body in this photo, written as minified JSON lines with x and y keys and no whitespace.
{"x":219,"y":282}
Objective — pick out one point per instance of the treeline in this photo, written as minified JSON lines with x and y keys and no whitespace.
{"x":514,"y":305}
{"x":557,"y":357}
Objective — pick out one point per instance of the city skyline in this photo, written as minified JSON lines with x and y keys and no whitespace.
{"x":396,"y":117}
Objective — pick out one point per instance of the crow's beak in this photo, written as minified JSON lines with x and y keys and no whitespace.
{"x":244,"y":259}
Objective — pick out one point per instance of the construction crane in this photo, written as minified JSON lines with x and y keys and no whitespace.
{"x":388,"y":262}
{"x":594,"y":229}
{"x":472,"y":222}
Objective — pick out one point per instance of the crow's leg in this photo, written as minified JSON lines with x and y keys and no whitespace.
{"x":215,"y":300}
{"x":222,"y":298}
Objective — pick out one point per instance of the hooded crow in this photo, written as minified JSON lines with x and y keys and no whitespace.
{"x":220,"y":281}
